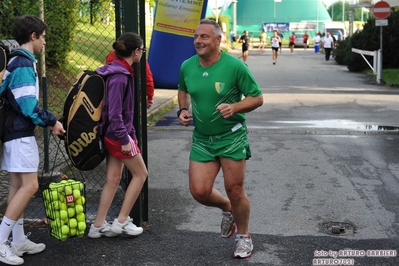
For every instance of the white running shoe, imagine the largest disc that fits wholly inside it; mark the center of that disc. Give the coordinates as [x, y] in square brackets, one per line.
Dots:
[8, 256]
[28, 247]
[104, 230]
[244, 247]
[128, 227]
[228, 226]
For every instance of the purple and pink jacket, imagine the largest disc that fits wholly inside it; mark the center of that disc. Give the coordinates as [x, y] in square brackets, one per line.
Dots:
[118, 106]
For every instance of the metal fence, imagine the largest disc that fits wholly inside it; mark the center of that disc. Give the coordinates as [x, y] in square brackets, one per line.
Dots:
[92, 43]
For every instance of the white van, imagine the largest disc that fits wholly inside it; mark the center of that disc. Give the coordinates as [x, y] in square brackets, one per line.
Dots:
[333, 28]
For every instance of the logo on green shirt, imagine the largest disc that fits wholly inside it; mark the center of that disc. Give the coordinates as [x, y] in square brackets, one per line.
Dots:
[219, 86]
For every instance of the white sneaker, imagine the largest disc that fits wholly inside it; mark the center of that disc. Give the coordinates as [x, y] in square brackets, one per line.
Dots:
[28, 247]
[244, 247]
[7, 255]
[128, 227]
[104, 230]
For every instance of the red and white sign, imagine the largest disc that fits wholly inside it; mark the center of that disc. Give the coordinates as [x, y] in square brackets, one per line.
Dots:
[381, 10]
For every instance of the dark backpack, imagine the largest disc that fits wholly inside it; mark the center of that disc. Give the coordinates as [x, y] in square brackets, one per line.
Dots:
[4, 54]
[4, 120]
[82, 115]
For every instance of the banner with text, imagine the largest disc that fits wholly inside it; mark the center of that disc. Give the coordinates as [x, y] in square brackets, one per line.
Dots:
[178, 17]
[280, 26]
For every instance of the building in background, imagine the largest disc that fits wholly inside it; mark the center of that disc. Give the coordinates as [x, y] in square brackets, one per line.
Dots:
[285, 15]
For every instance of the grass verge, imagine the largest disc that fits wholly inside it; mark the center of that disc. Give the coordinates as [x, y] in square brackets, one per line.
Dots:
[390, 77]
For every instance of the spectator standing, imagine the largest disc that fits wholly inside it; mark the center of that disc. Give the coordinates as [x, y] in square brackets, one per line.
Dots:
[305, 40]
[245, 40]
[328, 45]
[339, 35]
[334, 46]
[316, 43]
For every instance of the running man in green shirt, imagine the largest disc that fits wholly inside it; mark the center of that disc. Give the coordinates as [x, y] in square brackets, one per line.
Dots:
[214, 83]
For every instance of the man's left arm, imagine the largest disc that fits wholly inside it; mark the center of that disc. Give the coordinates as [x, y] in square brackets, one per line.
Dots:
[246, 105]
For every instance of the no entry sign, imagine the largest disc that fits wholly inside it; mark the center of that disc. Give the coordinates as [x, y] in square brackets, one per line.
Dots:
[381, 10]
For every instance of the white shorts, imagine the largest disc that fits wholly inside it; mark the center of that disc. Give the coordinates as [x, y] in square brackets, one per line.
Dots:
[20, 155]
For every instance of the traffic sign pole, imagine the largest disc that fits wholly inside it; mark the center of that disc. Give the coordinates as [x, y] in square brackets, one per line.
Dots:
[381, 10]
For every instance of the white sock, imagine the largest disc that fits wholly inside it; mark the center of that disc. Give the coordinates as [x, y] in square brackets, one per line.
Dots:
[18, 233]
[242, 235]
[5, 229]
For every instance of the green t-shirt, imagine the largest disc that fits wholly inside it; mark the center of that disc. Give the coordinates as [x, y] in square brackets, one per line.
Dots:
[226, 81]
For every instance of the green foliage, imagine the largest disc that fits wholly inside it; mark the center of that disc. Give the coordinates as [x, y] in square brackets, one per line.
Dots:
[12, 9]
[335, 12]
[369, 39]
[95, 11]
[343, 53]
[62, 17]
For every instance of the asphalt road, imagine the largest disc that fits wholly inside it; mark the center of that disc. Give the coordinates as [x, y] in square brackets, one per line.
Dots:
[325, 148]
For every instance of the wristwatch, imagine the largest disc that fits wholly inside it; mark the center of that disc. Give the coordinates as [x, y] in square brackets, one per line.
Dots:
[179, 112]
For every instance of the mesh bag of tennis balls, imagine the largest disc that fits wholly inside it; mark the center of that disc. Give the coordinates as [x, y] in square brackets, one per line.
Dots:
[64, 203]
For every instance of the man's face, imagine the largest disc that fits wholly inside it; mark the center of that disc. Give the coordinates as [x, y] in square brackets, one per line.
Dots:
[205, 40]
[38, 42]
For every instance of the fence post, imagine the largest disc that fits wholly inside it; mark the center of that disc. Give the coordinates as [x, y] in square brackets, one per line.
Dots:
[375, 60]
[131, 23]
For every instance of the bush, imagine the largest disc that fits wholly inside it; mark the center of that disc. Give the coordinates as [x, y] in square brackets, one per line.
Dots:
[343, 52]
[369, 39]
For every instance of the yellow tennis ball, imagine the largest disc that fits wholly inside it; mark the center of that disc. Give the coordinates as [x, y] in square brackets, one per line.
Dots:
[54, 195]
[80, 201]
[46, 194]
[73, 231]
[73, 223]
[65, 229]
[64, 237]
[63, 206]
[81, 226]
[56, 223]
[71, 212]
[55, 205]
[81, 233]
[68, 190]
[76, 194]
[79, 209]
[81, 217]
[77, 185]
[63, 214]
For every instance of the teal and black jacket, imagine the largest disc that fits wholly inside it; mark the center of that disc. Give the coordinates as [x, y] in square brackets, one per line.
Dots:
[21, 92]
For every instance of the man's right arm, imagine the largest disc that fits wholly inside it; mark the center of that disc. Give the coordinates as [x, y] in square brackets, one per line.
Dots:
[184, 104]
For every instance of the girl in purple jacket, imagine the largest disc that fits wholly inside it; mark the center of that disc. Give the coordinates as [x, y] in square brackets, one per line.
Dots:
[120, 138]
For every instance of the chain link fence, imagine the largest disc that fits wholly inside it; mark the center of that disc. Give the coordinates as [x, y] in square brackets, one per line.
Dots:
[92, 41]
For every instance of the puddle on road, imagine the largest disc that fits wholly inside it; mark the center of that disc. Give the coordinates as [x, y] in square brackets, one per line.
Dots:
[334, 124]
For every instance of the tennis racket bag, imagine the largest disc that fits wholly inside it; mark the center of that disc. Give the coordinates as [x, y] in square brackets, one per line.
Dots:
[82, 114]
